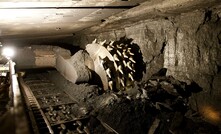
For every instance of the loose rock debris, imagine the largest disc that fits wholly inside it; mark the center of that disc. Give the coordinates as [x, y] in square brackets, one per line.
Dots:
[158, 105]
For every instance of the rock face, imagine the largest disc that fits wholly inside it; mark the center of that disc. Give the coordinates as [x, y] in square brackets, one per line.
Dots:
[188, 45]
[194, 54]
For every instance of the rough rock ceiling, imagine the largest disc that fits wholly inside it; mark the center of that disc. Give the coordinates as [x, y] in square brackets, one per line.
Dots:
[153, 9]
[37, 18]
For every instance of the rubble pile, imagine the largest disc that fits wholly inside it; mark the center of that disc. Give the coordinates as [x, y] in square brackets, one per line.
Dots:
[159, 105]
[170, 98]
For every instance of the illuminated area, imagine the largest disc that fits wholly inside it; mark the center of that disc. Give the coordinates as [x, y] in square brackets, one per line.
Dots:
[211, 114]
[8, 52]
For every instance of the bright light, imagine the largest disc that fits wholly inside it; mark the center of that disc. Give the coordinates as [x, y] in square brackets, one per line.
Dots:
[8, 52]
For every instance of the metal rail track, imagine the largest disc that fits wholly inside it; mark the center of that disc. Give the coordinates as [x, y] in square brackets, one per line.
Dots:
[50, 109]
[39, 121]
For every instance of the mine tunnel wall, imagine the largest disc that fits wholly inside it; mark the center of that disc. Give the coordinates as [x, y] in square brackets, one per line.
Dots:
[188, 45]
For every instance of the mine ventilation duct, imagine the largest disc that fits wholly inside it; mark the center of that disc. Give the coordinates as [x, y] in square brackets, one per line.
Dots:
[118, 63]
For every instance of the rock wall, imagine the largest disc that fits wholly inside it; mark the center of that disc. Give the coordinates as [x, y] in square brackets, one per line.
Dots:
[193, 52]
[189, 45]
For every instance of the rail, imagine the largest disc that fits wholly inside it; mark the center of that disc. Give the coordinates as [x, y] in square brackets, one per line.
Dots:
[35, 112]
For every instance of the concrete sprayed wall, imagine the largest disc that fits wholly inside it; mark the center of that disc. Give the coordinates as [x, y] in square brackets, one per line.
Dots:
[188, 45]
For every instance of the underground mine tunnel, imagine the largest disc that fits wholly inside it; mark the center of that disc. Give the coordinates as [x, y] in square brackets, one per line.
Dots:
[113, 66]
